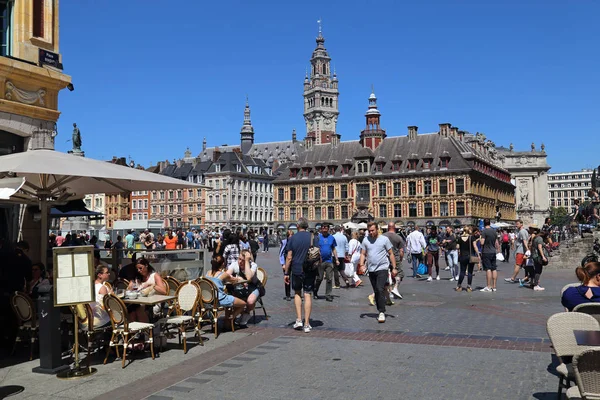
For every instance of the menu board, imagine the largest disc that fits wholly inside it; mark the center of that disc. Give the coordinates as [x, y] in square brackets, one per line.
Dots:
[74, 275]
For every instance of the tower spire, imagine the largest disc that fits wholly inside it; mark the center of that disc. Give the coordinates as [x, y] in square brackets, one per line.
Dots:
[319, 22]
[247, 132]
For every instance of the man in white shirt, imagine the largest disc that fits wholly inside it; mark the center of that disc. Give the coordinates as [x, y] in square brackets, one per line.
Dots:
[415, 244]
[341, 249]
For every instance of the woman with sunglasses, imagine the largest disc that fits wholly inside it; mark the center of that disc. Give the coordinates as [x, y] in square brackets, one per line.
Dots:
[245, 269]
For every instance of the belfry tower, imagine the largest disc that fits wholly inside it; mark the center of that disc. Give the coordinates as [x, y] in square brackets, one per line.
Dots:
[320, 97]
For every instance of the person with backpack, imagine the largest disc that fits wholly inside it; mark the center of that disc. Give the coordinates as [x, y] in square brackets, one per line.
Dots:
[505, 240]
[302, 275]
[398, 245]
[539, 254]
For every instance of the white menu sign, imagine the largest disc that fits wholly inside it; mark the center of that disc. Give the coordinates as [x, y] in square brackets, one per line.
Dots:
[74, 272]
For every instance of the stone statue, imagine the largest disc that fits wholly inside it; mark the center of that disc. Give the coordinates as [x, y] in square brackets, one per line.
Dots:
[532, 146]
[76, 139]
[543, 147]
[511, 147]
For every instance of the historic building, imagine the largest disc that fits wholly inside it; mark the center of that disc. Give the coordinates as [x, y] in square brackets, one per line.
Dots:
[529, 172]
[140, 208]
[117, 206]
[448, 177]
[30, 78]
[566, 187]
[96, 203]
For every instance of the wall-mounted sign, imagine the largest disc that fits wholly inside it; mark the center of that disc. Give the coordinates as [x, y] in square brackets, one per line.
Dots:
[49, 58]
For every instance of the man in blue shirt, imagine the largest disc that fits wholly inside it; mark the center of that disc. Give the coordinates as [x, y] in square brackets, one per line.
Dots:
[327, 244]
[129, 240]
[341, 249]
[301, 280]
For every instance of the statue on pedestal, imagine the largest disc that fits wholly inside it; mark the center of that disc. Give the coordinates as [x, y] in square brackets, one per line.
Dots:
[76, 139]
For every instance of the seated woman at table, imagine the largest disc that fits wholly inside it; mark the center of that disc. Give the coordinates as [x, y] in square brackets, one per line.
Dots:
[220, 277]
[588, 291]
[38, 279]
[101, 317]
[147, 281]
[245, 268]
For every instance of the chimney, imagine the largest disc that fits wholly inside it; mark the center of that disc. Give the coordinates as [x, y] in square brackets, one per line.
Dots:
[216, 154]
[454, 132]
[412, 132]
[294, 135]
[444, 129]
[461, 135]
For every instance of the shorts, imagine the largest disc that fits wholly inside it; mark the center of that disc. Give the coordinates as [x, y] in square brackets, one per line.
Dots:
[304, 282]
[256, 293]
[488, 260]
[520, 259]
[227, 300]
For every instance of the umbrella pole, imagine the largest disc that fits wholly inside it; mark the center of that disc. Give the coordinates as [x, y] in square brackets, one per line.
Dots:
[44, 230]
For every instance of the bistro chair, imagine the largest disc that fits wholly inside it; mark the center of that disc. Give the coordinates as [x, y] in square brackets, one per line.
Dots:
[85, 319]
[24, 309]
[569, 285]
[172, 285]
[108, 286]
[121, 284]
[261, 275]
[560, 329]
[123, 331]
[186, 302]
[210, 310]
[592, 309]
[587, 375]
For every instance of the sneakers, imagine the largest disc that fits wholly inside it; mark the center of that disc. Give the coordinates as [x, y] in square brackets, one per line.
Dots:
[538, 288]
[244, 319]
[389, 302]
[336, 287]
[485, 289]
[452, 279]
[429, 279]
[437, 278]
[381, 318]
[469, 290]
[307, 328]
[458, 289]
[447, 269]
[493, 289]
[372, 299]
[396, 293]
[509, 280]
[298, 324]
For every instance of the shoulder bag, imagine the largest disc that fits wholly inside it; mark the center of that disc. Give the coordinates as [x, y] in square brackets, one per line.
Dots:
[472, 259]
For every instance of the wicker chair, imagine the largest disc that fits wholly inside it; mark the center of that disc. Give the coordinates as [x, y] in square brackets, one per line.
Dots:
[121, 284]
[592, 309]
[188, 296]
[24, 309]
[123, 329]
[210, 309]
[560, 329]
[587, 375]
[172, 284]
[569, 285]
[261, 274]
[85, 319]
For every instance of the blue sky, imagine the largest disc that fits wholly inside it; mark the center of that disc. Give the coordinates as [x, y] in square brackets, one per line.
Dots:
[151, 80]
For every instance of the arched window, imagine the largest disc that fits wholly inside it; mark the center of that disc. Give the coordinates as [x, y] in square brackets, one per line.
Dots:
[324, 69]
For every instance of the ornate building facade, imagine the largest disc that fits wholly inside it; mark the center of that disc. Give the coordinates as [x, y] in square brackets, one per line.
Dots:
[444, 178]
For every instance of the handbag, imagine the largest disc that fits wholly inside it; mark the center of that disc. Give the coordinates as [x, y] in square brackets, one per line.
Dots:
[472, 259]
[422, 269]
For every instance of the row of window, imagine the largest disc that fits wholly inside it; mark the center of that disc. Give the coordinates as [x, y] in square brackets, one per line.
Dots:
[363, 190]
[139, 216]
[254, 201]
[261, 187]
[364, 167]
[178, 207]
[143, 204]
[175, 194]
[394, 211]
[568, 193]
[562, 202]
[569, 177]
[574, 184]
[239, 215]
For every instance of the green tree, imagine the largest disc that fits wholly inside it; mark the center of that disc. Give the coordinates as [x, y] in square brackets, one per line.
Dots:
[559, 215]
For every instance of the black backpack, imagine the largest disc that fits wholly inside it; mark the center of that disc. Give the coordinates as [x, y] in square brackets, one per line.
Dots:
[313, 257]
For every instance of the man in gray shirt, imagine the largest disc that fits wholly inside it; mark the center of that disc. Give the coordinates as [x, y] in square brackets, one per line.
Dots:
[521, 248]
[488, 256]
[377, 250]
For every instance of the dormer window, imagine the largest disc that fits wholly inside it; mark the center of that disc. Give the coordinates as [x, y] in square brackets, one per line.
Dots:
[238, 168]
[396, 165]
[345, 169]
[412, 164]
[217, 167]
[427, 162]
[362, 167]
[331, 170]
[320, 171]
[293, 172]
[444, 162]
[379, 166]
[305, 172]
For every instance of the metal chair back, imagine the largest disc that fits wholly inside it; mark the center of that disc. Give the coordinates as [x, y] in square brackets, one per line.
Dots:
[560, 329]
[23, 307]
[587, 373]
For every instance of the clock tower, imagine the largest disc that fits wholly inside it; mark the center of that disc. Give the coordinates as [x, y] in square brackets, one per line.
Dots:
[320, 97]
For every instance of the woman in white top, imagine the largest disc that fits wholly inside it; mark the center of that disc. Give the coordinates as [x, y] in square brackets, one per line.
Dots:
[354, 254]
[148, 280]
[244, 267]
[101, 317]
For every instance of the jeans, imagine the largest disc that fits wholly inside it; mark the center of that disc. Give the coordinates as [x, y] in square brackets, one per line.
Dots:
[536, 272]
[266, 244]
[416, 258]
[452, 259]
[464, 264]
[506, 251]
[378, 280]
[325, 271]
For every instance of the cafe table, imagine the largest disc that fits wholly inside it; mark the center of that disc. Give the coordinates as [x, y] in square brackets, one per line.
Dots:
[148, 300]
[587, 338]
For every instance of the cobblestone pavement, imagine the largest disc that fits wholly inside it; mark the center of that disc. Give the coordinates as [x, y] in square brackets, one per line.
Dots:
[436, 343]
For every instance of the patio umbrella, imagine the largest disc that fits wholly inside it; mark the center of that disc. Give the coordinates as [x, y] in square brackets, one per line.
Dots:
[55, 177]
